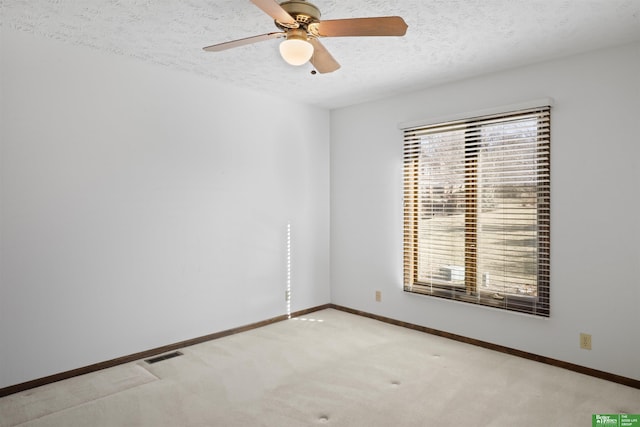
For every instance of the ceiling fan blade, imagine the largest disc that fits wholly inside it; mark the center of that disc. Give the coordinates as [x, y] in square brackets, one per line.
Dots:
[380, 26]
[322, 59]
[274, 10]
[241, 42]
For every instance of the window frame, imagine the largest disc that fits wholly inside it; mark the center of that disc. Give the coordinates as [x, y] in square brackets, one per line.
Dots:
[538, 305]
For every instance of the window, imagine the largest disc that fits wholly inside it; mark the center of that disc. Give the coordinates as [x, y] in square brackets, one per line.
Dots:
[477, 210]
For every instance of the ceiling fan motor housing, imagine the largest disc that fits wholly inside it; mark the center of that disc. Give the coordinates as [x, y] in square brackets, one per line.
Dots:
[303, 12]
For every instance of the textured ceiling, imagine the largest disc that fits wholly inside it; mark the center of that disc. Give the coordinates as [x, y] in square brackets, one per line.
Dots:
[447, 39]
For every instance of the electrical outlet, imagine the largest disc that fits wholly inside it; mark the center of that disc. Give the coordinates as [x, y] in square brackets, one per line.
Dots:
[378, 296]
[585, 341]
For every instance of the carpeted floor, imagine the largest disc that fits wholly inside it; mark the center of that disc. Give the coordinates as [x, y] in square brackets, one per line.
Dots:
[328, 368]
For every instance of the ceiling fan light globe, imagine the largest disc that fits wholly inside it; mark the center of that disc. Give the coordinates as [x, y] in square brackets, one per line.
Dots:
[296, 51]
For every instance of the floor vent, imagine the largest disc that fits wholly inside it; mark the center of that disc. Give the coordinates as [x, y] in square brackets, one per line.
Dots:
[163, 357]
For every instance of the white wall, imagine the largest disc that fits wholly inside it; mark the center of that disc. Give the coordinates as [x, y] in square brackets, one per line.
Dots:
[142, 206]
[595, 252]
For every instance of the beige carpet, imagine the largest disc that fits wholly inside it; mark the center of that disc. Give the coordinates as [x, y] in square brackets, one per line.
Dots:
[329, 368]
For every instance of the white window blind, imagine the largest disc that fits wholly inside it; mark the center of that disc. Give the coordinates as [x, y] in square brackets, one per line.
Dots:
[477, 210]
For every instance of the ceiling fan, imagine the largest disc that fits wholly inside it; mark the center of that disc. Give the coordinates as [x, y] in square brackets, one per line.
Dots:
[301, 27]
